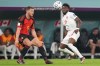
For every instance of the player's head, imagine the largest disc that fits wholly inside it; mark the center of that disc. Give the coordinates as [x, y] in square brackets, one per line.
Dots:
[30, 11]
[65, 8]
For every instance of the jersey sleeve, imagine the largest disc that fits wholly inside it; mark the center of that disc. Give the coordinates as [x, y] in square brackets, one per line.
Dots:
[73, 16]
[20, 21]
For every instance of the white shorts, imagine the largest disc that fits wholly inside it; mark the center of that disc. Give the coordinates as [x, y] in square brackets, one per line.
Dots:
[70, 34]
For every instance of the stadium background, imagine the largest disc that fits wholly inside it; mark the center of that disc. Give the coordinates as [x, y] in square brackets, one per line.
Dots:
[46, 16]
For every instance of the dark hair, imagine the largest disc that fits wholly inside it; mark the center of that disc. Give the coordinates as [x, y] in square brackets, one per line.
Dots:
[83, 30]
[65, 4]
[95, 29]
[29, 7]
[37, 29]
[10, 30]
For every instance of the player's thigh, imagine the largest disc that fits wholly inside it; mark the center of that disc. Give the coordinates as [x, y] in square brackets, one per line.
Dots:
[74, 37]
[65, 40]
[27, 42]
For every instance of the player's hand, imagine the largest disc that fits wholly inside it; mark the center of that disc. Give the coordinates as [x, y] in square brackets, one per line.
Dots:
[40, 42]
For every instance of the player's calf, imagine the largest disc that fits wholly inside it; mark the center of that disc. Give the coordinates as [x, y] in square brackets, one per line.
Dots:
[43, 53]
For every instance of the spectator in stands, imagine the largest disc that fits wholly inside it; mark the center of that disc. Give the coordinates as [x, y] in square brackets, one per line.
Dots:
[81, 43]
[7, 44]
[55, 44]
[39, 34]
[94, 41]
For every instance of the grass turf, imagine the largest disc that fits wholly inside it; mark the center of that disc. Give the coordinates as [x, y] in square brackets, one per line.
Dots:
[56, 62]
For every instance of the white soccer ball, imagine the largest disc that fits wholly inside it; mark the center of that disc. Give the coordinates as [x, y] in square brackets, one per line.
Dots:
[57, 5]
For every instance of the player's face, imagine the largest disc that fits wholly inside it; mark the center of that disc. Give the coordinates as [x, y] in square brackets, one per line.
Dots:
[95, 32]
[65, 9]
[30, 12]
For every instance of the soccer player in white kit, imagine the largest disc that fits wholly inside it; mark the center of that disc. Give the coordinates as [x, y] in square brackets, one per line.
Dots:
[72, 24]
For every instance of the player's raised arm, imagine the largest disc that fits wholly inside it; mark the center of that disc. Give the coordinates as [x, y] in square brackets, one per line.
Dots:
[19, 26]
[79, 21]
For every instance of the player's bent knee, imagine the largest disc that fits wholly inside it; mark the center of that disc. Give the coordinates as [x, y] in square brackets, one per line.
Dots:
[40, 45]
[29, 45]
[62, 46]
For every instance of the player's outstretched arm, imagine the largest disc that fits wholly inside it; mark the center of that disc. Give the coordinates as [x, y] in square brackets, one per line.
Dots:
[79, 22]
[34, 33]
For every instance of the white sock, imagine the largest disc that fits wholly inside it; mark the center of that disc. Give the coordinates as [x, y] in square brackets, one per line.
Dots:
[75, 50]
[66, 51]
[92, 56]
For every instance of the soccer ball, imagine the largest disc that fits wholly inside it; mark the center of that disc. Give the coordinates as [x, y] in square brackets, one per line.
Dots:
[57, 5]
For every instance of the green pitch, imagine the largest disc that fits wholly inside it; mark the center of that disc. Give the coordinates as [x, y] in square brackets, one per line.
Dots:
[56, 62]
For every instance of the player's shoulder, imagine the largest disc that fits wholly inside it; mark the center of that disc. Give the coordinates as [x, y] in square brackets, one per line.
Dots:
[70, 13]
[21, 18]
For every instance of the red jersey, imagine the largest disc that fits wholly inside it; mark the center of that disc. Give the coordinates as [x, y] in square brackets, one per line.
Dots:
[25, 24]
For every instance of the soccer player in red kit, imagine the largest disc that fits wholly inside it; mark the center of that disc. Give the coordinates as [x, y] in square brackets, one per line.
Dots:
[25, 26]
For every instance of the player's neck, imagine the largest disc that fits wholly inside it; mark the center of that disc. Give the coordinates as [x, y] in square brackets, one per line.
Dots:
[27, 16]
[65, 13]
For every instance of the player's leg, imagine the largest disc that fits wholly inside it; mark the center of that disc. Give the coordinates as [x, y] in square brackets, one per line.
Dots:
[71, 43]
[73, 48]
[41, 50]
[63, 48]
[63, 44]
[18, 52]
[27, 43]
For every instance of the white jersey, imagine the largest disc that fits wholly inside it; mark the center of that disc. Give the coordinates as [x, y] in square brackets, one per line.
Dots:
[69, 21]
